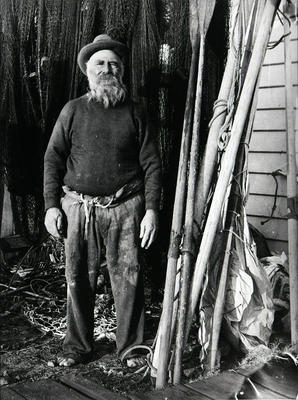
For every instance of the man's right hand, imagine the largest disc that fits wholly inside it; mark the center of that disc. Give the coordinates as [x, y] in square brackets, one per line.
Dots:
[53, 222]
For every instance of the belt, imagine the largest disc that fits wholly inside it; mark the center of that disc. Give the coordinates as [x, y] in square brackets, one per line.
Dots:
[112, 200]
[122, 194]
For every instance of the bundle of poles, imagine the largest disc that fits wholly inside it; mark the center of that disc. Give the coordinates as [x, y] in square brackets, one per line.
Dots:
[198, 182]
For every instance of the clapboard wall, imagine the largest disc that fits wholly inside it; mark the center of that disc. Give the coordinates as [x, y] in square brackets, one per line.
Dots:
[268, 146]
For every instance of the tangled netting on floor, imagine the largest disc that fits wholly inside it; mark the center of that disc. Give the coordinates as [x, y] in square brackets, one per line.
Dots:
[39, 42]
[36, 283]
[53, 319]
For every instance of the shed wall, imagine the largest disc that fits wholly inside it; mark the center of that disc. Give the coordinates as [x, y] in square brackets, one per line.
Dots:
[268, 146]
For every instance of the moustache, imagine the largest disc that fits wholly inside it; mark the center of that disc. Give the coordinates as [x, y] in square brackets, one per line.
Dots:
[106, 78]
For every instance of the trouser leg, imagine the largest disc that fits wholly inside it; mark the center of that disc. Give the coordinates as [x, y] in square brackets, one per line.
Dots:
[82, 263]
[122, 253]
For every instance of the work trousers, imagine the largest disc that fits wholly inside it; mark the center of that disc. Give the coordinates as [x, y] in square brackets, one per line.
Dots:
[88, 229]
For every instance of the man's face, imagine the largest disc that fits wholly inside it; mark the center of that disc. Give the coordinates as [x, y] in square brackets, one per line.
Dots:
[103, 66]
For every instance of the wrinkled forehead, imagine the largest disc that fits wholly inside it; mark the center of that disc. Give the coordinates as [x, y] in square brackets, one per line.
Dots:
[105, 55]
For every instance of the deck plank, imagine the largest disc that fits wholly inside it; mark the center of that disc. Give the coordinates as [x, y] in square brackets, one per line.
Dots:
[178, 392]
[46, 389]
[7, 393]
[226, 384]
[89, 388]
[280, 379]
[221, 386]
[252, 390]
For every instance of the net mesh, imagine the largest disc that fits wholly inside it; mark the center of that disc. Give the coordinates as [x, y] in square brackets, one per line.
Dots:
[52, 319]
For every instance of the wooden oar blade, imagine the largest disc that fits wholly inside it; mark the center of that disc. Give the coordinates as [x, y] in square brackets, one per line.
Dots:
[193, 22]
[205, 9]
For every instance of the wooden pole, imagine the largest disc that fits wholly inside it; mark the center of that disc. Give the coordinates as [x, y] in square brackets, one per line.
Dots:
[205, 9]
[210, 155]
[230, 154]
[220, 297]
[291, 189]
[1, 202]
[163, 343]
[157, 348]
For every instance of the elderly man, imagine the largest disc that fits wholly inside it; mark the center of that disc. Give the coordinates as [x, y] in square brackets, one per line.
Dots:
[101, 153]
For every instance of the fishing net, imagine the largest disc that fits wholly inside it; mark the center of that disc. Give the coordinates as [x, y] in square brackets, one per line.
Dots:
[52, 319]
[37, 283]
[40, 40]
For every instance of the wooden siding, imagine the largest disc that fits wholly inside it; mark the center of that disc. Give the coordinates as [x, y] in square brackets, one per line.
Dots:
[267, 162]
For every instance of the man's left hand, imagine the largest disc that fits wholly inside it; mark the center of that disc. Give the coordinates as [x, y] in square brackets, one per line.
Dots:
[149, 228]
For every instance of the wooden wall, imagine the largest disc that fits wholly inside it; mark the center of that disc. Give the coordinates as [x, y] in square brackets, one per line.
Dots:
[268, 147]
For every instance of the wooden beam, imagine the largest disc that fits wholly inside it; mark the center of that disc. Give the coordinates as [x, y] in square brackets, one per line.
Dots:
[177, 392]
[46, 389]
[7, 393]
[226, 384]
[89, 388]
[291, 186]
[280, 377]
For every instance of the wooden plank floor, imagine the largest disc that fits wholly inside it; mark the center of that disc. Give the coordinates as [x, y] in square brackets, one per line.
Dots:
[269, 383]
[224, 386]
[45, 389]
[227, 384]
[89, 388]
[282, 380]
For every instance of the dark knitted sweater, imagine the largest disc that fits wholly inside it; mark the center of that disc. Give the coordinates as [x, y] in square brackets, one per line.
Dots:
[96, 151]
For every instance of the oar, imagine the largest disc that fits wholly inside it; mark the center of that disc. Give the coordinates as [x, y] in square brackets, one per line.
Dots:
[291, 189]
[230, 154]
[204, 10]
[164, 338]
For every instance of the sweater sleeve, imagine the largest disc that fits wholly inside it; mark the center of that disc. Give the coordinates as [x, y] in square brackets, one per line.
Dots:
[149, 159]
[56, 158]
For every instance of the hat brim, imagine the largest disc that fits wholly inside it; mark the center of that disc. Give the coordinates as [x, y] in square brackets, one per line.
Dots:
[86, 52]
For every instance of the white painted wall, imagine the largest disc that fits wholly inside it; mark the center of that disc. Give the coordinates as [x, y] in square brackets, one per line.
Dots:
[268, 147]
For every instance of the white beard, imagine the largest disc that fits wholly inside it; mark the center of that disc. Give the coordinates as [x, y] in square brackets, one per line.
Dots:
[107, 89]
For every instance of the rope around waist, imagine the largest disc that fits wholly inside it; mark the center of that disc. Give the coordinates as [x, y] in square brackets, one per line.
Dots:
[124, 193]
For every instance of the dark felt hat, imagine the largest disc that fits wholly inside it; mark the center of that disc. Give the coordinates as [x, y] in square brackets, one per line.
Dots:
[101, 42]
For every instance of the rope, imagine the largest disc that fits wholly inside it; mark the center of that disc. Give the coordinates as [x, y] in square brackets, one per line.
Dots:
[224, 135]
[88, 205]
[149, 359]
[274, 174]
[218, 103]
[234, 212]
[277, 42]
[235, 234]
